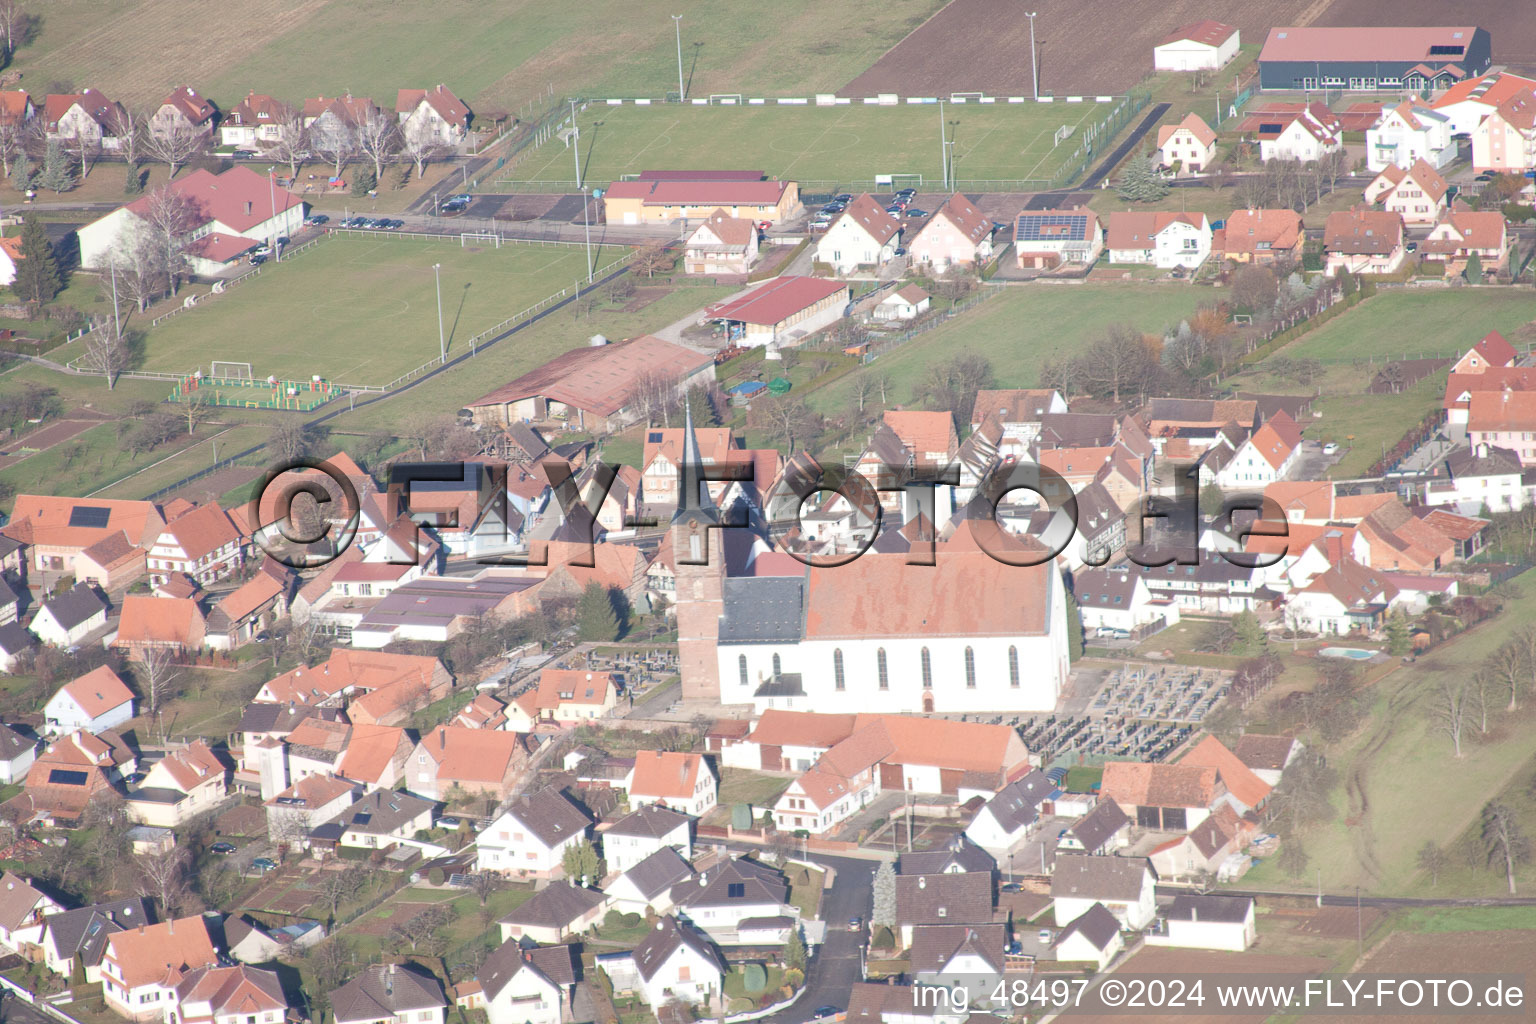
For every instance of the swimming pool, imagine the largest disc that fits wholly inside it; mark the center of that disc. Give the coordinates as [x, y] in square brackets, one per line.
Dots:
[1356, 653]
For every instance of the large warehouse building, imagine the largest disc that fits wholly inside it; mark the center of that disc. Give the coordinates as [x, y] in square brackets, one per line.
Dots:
[1368, 59]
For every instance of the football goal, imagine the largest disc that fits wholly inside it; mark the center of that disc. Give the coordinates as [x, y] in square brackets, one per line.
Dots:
[482, 237]
[1063, 134]
[725, 99]
[226, 370]
[901, 181]
[966, 97]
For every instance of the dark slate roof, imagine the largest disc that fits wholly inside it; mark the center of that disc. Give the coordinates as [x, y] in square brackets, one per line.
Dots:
[717, 887]
[1222, 909]
[1096, 510]
[962, 854]
[8, 595]
[659, 872]
[1095, 924]
[944, 899]
[381, 990]
[763, 609]
[14, 638]
[381, 812]
[1117, 879]
[935, 945]
[550, 815]
[555, 963]
[664, 939]
[1094, 828]
[8, 544]
[84, 930]
[651, 821]
[76, 605]
[528, 439]
[555, 906]
[1104, 588]
[1017, 804]
[1263, 752]
[1077, 430]
[263, 716]
[1481, 460]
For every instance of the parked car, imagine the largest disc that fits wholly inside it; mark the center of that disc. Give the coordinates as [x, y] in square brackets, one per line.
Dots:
[261, 865]
[764, 225]
[915, 212]
[262, 250]
[1413, 247]
[855, 923]
[460, 197]
[257, 259]
[314, 220]
[448, 822]
[900, 251]
[894, 210]
[845, 198]
[825, 1012]
[1331, 448]
[906, 192]
[222, 849]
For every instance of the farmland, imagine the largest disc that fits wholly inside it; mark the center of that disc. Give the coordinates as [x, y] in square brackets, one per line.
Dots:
[847, 143]
[492, 55]
[363, 310]
[1398, 323]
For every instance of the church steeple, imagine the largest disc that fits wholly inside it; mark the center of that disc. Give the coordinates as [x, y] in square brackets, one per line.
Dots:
[693, 501]
[699, 568]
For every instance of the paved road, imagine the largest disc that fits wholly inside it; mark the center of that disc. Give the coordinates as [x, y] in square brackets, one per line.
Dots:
[1386, 902]
[830, 976]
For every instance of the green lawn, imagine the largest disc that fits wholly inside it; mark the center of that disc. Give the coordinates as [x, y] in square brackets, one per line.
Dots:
[761, 790]
[806, 893]
[1467, 919]
[1374, 422]
[491, 55]
[1023, 328]
[1401, 323]
[363, 310]
[847, 143]
[1401, 764]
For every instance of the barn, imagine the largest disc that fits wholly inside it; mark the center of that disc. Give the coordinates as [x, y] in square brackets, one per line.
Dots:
[1202, 46]
[1370, 59]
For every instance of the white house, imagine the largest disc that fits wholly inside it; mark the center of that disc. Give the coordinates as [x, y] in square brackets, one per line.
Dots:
[389, 994]
[1010, 816]
[1119, 600]
[1047, 239]
[650, 884]
[432, 116]
[202, 542]
[1346, 597]
[675, 961]
[1478, 476]
[22, 910]
[1201, 46]
[526, 986]
[1306, 134]
[862, 235]
[1093, 937]
[903, 304]
[1268, 454]
[1197, 921]
[228, 995]
[135, 981]
[721, 245]
[96, 701]
[960, 956]
[1467, 103]
[531, 835]
[70, 617]
[641, 833]
[680, 781]
[1165, 240]
[1124, 885]
[234, 212]
[730, 892]
[1363, 242]
[1406, 133]
[17, 752]
[1189, 145]
[956, 234]
[182, 784]
[1417, 192]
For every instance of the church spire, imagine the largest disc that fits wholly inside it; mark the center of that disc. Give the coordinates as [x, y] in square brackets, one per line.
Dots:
[693, 490]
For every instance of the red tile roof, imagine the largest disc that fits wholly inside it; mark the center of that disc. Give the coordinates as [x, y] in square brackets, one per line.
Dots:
[257, 108]
[666, 775]
[202, 531]
[99, 691]
[1377, 43]
[700, 193]
[1246, 228]
[964, 215]
[161, 953]
[240, 199]
[1140, 784]
[870, 216]
[448, 106]
[1239, 779]
[191, 104]
[1212, 33]
[219, 247]
[1137, 229]
[777, 300]
[1194, 124]
[599, 380]
[1373, 232]
[1490, 89]
[160, 620]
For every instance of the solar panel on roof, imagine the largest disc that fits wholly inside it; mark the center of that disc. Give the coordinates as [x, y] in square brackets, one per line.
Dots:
[93, 516]
[67, 777]
[362, 818]
[1033, 227]
[654, 437]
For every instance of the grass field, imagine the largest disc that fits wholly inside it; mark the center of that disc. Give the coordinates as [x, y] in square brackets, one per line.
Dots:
[1401, 322]
[846, 143]
[362, 310]
[490, 54]
[1020, 330]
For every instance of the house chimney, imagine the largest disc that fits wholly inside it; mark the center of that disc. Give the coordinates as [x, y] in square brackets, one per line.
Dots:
[1333, 547]
[442, 738]
[247, 207]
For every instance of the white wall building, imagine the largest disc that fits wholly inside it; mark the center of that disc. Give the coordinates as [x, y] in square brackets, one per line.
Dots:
[1202, 46]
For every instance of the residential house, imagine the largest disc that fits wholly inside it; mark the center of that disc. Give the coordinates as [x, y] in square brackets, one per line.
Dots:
[95, 701]
[333, 122]
[228, 995]
[1479, 477]
[434, 115]
[1189, 146]
[958, 856]
[484, 712]
[1118, 601]
[1466, 103]
[1012, 815]
[676, 962]
[1124, 885]
[729, 893]
[1246, 792]
[884, 1003]
[304, 806]
[1460, 233]
[564, 696]
[172, 624]
[17, 753]
[111, 563]
[1212, 849]
[67, 619]
[956, 234]
[450, 759]
[642, 832]
[389, 994]
[1346, 598]
[250, 943]
[1262, 236]
[1297, 131]
[376, 755]
[1505, 140]
[1092, 937]
[184, 783]
[142, 966]
[1417, 193]
[16, 642]
[202, 543]
[906, 303]
[358, 674]
[245, 613]
[1407, 133]
[1051, 239]
[531, 836]
[23, 908]
[964, 898]
[1501, 419]
[1208, 921]
[1465, 532]
[556, 912]
[528, 986]
[1363, 242]
[721, 245]
[1267, 756]
[1164, 240]
[67, 775]
[649, 885]
[1200, 46]
[683, 782]
[1020, 411]
[184, 112]
[1171, 797]
[16, 107]
[380, 820]
[1269, 454]
[258, 121]
[56, 530]
[77, 939]
[1100, 832]
[863, 235]
[960, 957]
[85, 115]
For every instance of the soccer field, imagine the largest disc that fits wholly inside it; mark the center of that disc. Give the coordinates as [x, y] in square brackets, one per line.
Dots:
[999, 142]
[364, 310]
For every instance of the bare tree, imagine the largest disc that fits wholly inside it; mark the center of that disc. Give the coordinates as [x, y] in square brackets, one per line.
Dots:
[651, 259]
[336, 143]
[163, 878]
[1450, 710]
[292, 145]
[14, 24]
[290, 439]
[85, 147]
[176, 145]
[336, 887]
[157, 674]
[1433, 858]
[420, 145]
[656, 396]
[105, 351]
[170, 217]
[136, 266]
[378, 138]
[13, 139]
[1504, 840]
[131, 130]
[484, 885]
[863, 389]
[1509, 666]
[1252, 191]
[1333, 166]
[197, 404]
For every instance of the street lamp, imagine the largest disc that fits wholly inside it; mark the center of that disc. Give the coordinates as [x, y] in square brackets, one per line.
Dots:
[576, 143]
[272, 190]
[1034, 66]
[586, 224]
[677, 23]
[442, 341]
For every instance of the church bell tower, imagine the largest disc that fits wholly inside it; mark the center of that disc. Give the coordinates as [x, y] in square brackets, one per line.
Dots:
[699, 562]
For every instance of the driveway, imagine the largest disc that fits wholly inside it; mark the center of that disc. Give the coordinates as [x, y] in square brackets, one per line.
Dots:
[837, 965]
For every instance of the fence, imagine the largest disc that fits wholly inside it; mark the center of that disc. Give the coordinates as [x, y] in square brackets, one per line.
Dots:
[33, 1001]
[879, 344]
